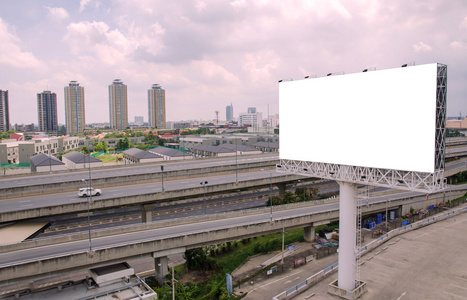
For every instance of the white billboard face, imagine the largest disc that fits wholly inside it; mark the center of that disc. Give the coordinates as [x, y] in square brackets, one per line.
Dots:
[380, 119]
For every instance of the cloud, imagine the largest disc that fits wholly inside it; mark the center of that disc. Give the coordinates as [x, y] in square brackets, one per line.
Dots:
[57, 14]
[464, 23]
[421, 47]
[209, 53]
[11, 53]
[83, 4]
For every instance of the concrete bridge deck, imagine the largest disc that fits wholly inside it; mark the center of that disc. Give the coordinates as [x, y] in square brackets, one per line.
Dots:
[39, 258]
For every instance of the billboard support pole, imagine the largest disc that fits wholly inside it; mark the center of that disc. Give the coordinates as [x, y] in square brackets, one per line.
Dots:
[347, 235]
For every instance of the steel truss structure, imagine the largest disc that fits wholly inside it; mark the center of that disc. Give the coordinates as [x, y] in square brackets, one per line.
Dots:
[405, 180]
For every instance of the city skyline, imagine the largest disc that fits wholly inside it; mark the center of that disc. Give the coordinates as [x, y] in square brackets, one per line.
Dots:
[207, 54]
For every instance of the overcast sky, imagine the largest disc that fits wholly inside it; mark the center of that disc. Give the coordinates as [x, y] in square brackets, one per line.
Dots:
[208, 54]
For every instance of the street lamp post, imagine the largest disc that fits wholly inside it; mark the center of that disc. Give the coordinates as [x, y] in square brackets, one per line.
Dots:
[236, 163]
[162, 170]
[270, 190]
[50, 157]
[89, 218]
[173, 284]
[203, 183]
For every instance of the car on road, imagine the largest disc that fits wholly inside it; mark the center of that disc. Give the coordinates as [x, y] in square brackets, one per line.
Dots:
[86, 192]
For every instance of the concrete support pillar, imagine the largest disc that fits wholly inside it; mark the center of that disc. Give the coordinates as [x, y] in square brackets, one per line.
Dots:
[146, 212]
[347, 236]
[282, 188]
[309, 234]
[161, 268]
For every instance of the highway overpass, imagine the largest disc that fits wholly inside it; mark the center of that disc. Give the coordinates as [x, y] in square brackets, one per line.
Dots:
[144, 195]
[148, 195]
[158, 239]
[39, 184]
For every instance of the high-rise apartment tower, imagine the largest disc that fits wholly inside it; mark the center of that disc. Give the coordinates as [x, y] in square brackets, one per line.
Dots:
[229, 113]
[4, 111]
[74, 108]
[118, 105]
[47, 112]
[156, 107]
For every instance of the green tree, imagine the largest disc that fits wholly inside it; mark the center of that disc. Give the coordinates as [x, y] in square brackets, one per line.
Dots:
[86, 150]
[150, 139]
[123, 144]
[142, 146]
[102, 146]
[196, 259]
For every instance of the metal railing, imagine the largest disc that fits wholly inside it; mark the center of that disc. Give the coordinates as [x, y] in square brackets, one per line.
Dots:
[370, 246]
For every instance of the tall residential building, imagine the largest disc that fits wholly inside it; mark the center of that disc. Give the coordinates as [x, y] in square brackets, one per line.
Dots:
[229, 113]
[4, 111]
[74, 108]
[252, 110]
[156, 107]
[118, 105]
[47, 112]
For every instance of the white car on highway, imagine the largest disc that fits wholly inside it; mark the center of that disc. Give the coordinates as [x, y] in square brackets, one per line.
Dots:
[86, 192]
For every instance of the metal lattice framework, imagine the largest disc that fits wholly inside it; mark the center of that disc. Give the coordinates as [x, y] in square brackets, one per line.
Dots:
[405, 180]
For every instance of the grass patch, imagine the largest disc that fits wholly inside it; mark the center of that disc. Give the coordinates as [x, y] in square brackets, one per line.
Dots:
[460, 198]
[106, 158]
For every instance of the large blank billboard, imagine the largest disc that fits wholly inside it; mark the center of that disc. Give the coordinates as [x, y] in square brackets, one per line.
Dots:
[379, 119]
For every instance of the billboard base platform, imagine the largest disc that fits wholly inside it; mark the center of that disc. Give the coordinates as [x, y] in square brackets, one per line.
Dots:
[361, 289]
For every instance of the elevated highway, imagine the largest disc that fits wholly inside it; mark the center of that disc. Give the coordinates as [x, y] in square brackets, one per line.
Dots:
[159, 239]
[37, 184]
[147, 196]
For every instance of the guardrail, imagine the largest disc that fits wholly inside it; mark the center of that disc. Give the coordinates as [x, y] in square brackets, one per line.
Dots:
[312, 280]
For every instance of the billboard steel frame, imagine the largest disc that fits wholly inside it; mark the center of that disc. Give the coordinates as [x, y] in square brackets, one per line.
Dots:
[349, 176]
[398, 179]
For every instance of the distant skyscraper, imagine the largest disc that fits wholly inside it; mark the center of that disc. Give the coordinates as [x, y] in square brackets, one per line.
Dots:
[74, 108]
[47, 112]
[4, 111]
[118, 105]
[229, 113]
[139, 119]
[252, 110]
[251, 119]
[156, 107]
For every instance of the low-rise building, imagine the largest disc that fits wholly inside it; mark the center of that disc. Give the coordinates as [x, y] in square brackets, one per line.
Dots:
[241, 149]
[22, 151]
[138, 156]
[267, 147]
[46, 163]
[171, 154]
[77, 160]
[212, 151]
[453, 124]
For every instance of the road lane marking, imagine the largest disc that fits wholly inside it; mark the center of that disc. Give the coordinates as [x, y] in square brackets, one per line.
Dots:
[400, 297]
[441, 228]
[461, 287]
[460, 297]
